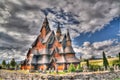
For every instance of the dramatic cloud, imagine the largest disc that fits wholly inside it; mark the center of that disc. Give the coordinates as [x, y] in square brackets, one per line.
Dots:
[111, 48]
[21, 20]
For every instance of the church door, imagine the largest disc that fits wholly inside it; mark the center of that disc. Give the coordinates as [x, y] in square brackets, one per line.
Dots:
[53, 64]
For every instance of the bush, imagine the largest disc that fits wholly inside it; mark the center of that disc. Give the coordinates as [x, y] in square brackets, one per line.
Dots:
[94, 67]
[71, 68]
[112, 69]
[0, 67]
[65, 71]
[116, 62]
[79, 68]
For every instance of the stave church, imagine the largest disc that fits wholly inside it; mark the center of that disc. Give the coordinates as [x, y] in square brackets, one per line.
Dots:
[50, 50]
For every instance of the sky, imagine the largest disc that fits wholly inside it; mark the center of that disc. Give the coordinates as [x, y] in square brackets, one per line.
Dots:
[94, 25]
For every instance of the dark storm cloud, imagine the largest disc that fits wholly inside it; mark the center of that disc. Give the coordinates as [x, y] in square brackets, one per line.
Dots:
[16, 24]
[10, 42]
[6, 37]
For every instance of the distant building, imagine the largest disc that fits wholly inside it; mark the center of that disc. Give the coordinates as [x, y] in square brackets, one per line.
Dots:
[50, 50]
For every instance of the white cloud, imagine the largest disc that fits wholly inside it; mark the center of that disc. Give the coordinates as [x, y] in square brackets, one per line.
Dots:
[8, 54]
[95, 49]
[98, 45]
[86, 44]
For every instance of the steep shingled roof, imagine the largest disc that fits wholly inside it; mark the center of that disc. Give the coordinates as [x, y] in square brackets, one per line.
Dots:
[43, 59]
[48, 36]
[68, 36]
[69, 49]
[61, 59]
[58, 28]
[46, 25]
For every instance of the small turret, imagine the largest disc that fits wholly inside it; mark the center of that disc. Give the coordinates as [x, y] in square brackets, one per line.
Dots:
[58, 32]
[68, 39]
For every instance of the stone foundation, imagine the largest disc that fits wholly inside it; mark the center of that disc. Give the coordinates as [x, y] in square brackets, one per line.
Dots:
[6, 75]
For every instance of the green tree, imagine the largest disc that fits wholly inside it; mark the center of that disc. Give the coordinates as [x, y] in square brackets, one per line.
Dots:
[71, 68]
[8, 65]
[87, 63]
[105, 61]
[119, 56]
[13, 63]
[4, 64]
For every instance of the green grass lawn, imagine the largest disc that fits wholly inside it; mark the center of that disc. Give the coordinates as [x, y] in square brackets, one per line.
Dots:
[117, 79]
[27, 72]
[59, 72]
[100, 62]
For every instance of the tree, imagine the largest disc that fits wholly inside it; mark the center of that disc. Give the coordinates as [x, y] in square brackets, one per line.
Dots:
[105, 61]
[4, 64]
[8, 65]
[87, 63]
[119, 56]
[71, 68]
[13, 63]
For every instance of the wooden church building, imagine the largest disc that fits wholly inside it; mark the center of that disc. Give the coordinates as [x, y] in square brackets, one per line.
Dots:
[50, 50]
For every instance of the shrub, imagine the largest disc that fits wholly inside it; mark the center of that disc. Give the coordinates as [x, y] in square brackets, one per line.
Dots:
[94, 67]
[116, 62]
[0, 67]
[111, 69]
[71, 68]
[79, 68]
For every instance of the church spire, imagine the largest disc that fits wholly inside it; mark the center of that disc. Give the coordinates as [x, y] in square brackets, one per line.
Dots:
[45, 29]
[58, 28]
[45, 20]
[58, 32]
[45, 24]
[68, 36]
[68, 39]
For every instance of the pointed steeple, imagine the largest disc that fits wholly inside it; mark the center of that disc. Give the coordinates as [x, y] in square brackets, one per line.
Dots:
[45, 24]
[45, 29]
[58, 28]
[68, 36]
[58, 32]
[45, 20]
